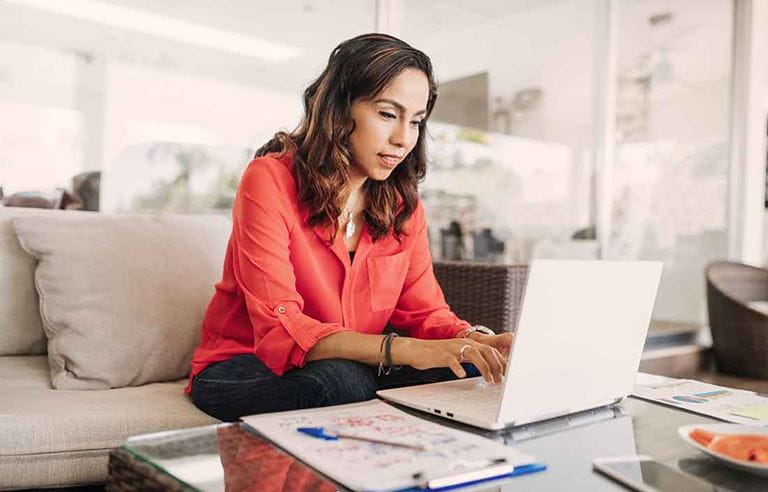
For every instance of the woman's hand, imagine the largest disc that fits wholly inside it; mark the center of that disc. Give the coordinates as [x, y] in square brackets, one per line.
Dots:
[426, 354]
[501, 342]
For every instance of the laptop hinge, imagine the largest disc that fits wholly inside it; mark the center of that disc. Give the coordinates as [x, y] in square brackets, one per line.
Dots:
[563, 413]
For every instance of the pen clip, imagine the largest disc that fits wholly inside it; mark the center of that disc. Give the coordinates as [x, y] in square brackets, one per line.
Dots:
[464, 472]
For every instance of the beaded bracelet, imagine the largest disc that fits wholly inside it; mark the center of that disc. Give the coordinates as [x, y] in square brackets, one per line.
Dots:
[385, 355]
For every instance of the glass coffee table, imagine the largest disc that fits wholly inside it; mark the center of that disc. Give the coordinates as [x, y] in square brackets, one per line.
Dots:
[228, 457]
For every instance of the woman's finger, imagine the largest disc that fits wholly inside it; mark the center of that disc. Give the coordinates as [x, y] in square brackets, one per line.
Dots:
[503, 343]
[508, 339]
[457, 369]
[503, 361]
[472, 354]
[490, 355]
[501, 358]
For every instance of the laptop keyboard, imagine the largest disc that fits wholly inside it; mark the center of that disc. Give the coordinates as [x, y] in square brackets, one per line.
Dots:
[465, 396]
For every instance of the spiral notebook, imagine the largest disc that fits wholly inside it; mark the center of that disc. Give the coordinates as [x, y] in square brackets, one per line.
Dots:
[361, 465]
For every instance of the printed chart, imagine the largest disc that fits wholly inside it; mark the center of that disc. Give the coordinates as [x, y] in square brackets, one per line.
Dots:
[731, 405]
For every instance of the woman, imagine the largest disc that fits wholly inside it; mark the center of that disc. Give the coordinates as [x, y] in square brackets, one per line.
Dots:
[329, 245]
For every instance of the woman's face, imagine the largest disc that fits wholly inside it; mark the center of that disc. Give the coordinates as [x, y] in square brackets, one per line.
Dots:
[387, 127]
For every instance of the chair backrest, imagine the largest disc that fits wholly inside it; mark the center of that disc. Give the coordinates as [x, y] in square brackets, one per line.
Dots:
[483, 293]
[739, 332]
[742, 283]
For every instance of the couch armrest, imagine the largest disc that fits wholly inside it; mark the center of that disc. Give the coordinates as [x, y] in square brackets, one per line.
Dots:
[483, 293]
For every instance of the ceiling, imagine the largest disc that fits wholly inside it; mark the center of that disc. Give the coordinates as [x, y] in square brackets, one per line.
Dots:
[312, 26]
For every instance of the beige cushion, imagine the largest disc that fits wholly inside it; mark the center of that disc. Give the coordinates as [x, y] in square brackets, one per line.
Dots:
[46, 434]
[69, 469]
[122, 297]
[21, 331]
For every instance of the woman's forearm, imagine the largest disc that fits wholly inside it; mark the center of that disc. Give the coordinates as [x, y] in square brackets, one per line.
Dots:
[420, 354]
[360, 347]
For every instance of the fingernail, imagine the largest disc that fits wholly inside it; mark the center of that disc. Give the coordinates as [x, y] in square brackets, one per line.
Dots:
[462, 374]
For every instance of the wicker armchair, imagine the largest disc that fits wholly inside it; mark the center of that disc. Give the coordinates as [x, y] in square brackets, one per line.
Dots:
[739, 332]
[483, 293]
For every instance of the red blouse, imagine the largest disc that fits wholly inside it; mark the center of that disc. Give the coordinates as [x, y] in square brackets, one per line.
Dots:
[284, 287]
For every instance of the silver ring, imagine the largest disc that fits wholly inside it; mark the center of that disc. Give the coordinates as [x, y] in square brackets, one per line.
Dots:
[461, 351]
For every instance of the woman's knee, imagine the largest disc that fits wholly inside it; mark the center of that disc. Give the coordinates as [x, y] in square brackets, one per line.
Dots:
[317, 384]
[336, 381]
[230, 389]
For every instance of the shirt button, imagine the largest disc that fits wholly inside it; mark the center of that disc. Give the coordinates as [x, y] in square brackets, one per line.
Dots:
[281, 309]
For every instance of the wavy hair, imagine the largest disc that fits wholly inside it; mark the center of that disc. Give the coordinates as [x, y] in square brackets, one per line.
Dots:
[358, 69]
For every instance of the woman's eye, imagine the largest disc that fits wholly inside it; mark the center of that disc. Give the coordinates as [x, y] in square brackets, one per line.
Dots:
[417, 124]
[387, 115]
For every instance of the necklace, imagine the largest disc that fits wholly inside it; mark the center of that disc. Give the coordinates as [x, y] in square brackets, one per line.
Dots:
[350, 228]
[349, 231]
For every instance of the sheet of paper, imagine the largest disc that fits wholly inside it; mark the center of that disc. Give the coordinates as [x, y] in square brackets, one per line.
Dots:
[369, 466]
[729, 404]
[757, 412]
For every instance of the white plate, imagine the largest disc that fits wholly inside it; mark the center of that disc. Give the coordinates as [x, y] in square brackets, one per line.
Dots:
[746, 466]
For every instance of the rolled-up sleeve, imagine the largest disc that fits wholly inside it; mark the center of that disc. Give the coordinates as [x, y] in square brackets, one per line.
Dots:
[421, 308]
[262, 225]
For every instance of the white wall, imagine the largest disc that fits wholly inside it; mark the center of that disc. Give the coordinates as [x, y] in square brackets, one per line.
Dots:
[176, 106]
[41, 130]
[549, 47]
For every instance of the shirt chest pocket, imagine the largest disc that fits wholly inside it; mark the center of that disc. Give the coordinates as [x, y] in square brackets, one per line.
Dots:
[386, 276]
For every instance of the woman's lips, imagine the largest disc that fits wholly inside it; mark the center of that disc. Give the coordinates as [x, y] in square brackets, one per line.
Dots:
[388, 160]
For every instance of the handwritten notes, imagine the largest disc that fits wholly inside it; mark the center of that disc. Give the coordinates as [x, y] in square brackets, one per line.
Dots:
[370, 466]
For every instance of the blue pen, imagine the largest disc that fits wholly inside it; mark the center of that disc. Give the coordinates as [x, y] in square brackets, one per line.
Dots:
[320, 433]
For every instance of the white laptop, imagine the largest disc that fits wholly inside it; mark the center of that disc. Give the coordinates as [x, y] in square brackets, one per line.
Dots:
[577, 346]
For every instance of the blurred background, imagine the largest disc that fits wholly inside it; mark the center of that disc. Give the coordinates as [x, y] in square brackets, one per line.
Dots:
[621, 129]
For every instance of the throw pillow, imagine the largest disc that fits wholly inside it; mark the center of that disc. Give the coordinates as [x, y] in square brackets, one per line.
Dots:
[21, 332]
[122, 297]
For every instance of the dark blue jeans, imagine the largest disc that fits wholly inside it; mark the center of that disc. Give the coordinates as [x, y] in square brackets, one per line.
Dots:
[243, 385]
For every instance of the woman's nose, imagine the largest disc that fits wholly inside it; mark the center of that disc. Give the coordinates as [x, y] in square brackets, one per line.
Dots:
[399, 136]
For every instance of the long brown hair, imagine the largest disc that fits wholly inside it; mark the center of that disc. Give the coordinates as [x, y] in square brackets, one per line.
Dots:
[359, 68]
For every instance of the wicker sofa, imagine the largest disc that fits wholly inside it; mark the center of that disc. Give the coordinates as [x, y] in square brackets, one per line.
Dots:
[62, 437]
